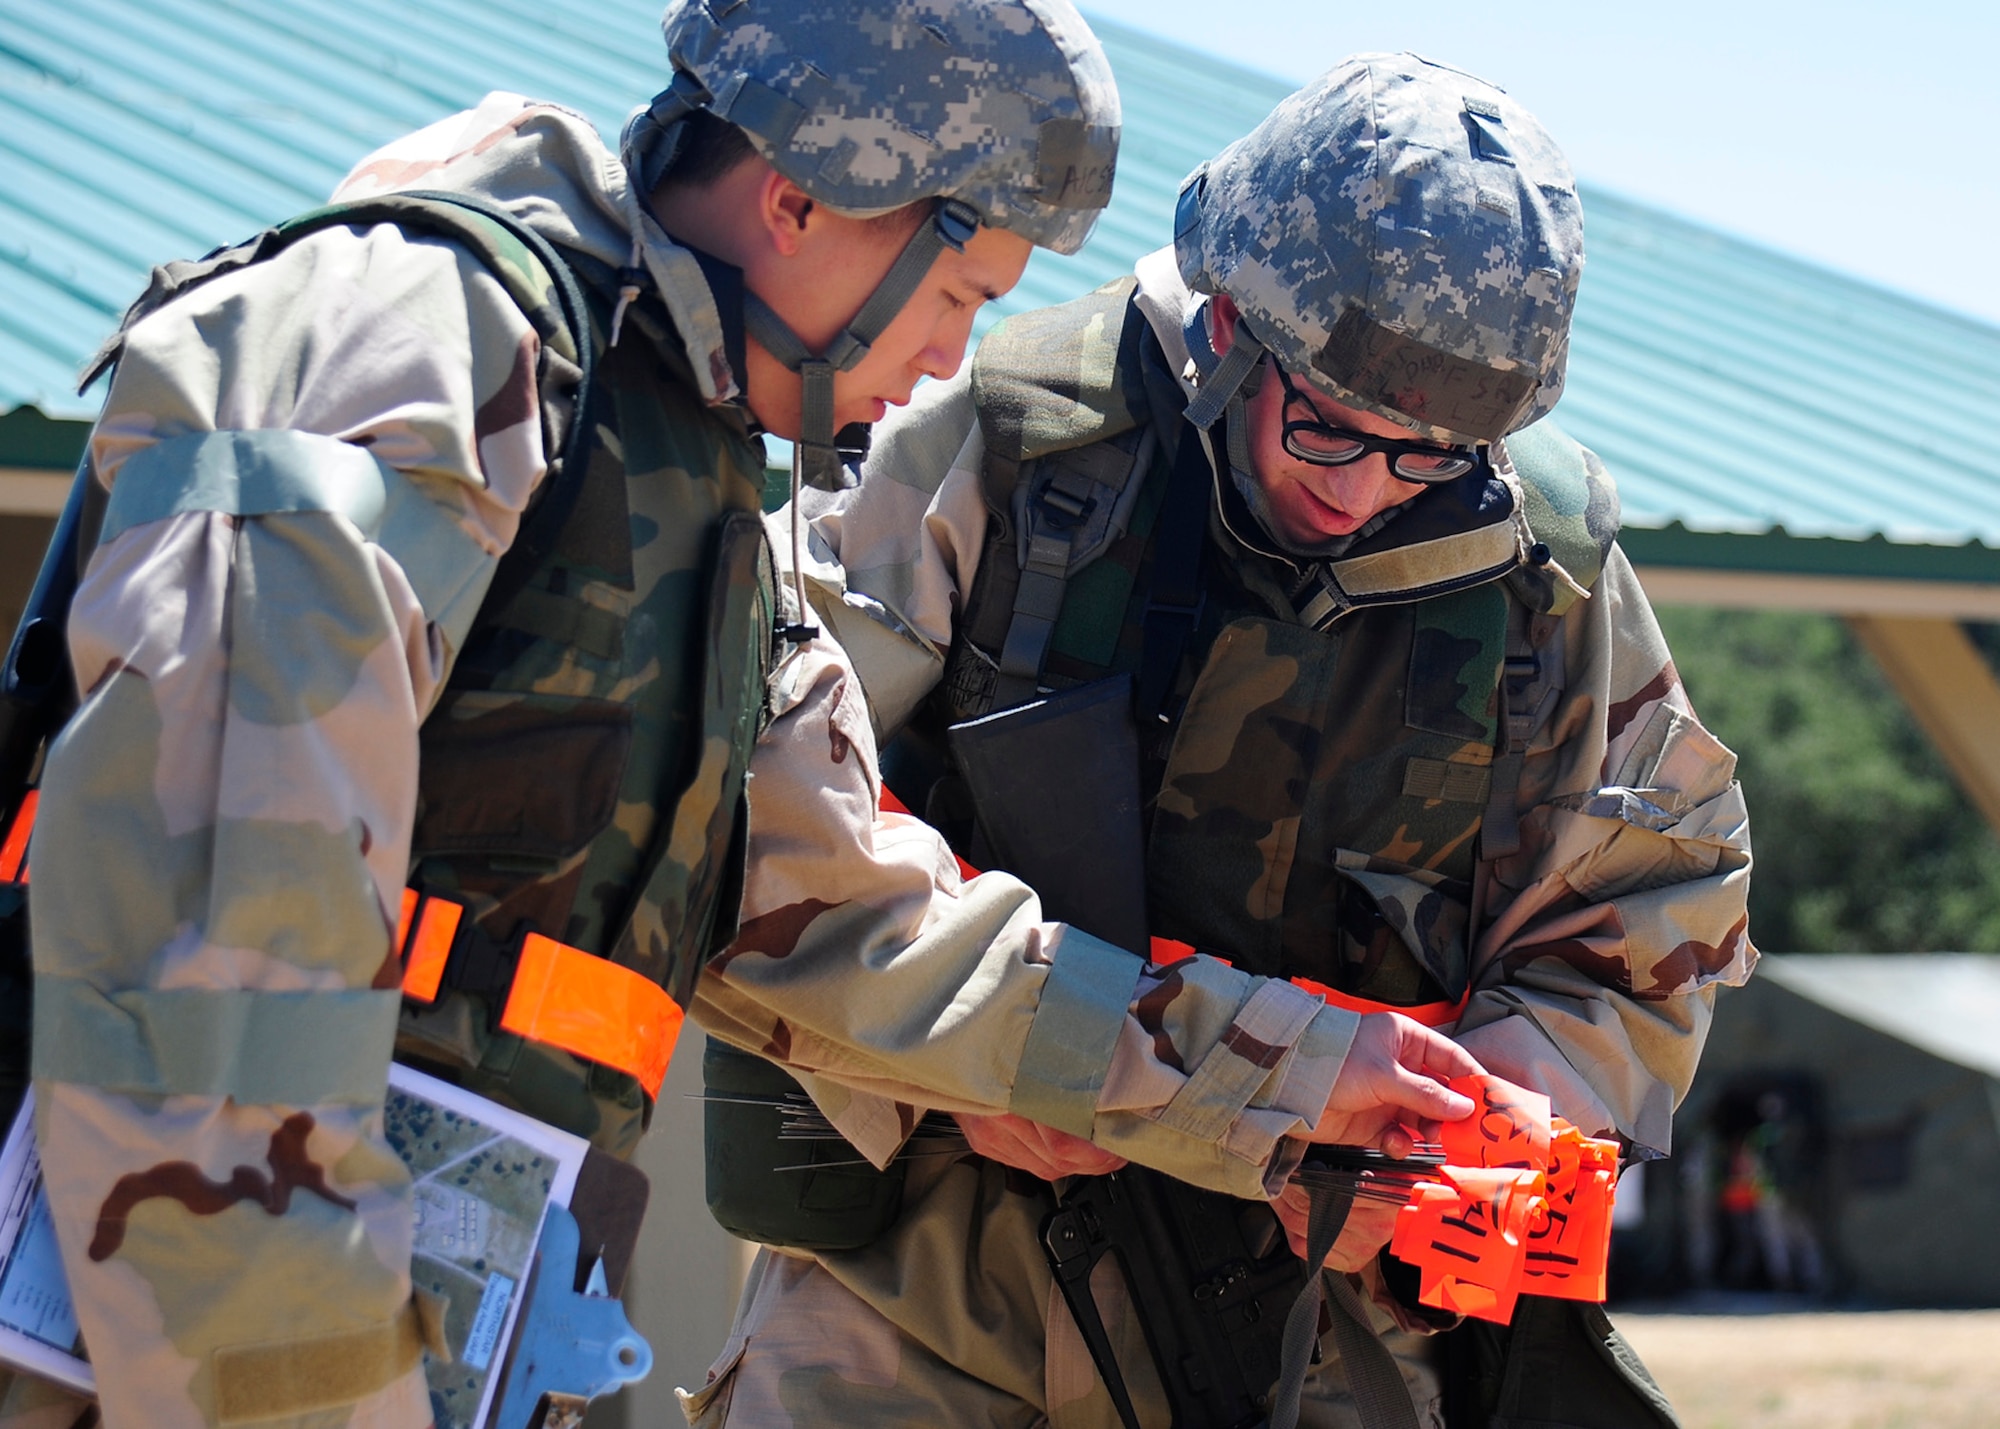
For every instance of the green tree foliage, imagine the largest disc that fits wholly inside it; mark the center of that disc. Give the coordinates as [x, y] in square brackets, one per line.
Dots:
[1864, 843]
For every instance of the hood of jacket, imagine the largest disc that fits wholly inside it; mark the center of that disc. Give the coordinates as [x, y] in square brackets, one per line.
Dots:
[549, 167]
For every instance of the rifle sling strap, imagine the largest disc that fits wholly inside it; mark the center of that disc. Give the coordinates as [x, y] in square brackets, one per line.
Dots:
[1174, 602]
[1380, 1396]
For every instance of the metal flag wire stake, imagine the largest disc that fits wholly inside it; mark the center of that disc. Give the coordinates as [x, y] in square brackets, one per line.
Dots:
[803, 1121]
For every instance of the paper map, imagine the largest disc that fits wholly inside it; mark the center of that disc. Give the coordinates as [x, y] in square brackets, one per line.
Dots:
[482, 1177]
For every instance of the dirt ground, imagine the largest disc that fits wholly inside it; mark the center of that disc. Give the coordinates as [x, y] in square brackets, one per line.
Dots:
[1915, 1369]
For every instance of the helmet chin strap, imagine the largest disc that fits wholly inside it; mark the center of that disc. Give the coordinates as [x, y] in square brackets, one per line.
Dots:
[1221, 377]
[1221, 391]
[821, 452]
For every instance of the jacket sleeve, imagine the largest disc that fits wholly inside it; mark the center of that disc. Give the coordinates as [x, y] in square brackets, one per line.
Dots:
[313, 465]
[887, 980]
[1604, 938]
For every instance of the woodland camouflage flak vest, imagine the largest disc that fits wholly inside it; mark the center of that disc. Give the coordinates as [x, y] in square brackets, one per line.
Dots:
[581, 814]
[582, 775]
[1316, 794]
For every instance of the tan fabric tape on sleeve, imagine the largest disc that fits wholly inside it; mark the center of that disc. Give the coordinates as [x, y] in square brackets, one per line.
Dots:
[290, 1377]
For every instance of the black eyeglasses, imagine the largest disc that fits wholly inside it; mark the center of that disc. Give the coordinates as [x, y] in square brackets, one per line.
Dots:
[1318, 441]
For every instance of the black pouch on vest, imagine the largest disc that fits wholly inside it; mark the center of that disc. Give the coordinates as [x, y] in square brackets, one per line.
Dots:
[1055, 784]
[1560, 1364]
[821, 1207]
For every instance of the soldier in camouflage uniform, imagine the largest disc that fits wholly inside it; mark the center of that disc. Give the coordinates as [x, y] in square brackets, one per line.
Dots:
[308, 470]
[1420, 743]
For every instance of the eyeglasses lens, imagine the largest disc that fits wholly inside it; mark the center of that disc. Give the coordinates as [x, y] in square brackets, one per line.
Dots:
[1309, 437]
[1417, 466]
[1316, 443]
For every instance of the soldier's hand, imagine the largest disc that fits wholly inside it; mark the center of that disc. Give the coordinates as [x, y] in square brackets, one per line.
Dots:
[1039, 1150]
[1390, 1092]
[1367, 1229]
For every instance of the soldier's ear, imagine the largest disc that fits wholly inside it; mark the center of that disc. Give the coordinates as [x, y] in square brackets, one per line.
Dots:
[783, 212]
[1221, 323]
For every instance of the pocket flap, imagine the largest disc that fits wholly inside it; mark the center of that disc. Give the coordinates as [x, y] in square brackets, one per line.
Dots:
[519, 774]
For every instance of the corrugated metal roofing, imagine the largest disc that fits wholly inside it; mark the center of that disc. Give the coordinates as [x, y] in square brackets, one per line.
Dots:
[1759, 411]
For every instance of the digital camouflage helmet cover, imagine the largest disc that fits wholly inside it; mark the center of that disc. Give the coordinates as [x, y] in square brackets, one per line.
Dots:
[1004, 111]
[1400, 234]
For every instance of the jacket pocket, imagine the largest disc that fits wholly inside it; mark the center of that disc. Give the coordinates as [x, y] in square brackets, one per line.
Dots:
[521, 775]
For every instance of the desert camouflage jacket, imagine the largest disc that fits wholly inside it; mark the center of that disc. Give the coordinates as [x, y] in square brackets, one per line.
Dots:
[1586, 959]
[314, 465]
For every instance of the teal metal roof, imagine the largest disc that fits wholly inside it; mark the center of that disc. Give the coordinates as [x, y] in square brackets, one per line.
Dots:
[1750, 403]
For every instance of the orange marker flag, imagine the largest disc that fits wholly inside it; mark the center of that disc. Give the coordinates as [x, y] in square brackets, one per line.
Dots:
[1568, 1261]
[1469, 1237]
[1523, 1204]
[1509, 1126]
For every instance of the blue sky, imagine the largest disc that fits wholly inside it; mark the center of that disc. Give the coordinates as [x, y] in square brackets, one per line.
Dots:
[1863, 136]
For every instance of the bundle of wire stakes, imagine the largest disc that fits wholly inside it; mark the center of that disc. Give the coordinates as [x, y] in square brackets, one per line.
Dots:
[1369, 1174]
[800, 1120]
[1372, 1175]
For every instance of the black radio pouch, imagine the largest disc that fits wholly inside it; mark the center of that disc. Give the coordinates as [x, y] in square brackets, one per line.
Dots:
[775, 1190]
[1055, 786]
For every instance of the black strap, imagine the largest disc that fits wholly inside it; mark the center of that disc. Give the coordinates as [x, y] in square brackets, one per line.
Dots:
[1530, 682]
[1380, 1396]
[1174, 600]
[36, 690]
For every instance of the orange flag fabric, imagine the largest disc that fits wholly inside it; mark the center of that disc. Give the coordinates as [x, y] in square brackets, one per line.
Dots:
[1522, 1205]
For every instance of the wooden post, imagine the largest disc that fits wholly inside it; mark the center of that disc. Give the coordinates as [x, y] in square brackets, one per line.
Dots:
[1951, 692]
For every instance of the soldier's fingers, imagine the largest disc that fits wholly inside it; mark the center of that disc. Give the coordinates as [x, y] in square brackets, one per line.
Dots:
[1039, 1150]
[1425, 1050]
[1369, 1226]
[1077, 1157]
[1425, 1098]
[1294, 1209]
[1397, 1142]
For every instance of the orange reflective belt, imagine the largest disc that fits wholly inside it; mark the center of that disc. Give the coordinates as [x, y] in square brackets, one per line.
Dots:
[560, 996]
[1431, 1014]
[1168, 950]
[565, 997]
[427, 946]
[14, 850]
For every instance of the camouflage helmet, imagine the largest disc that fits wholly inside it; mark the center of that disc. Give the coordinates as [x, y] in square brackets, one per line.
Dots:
[1403, 236]
[869, 105]
[1002, 111]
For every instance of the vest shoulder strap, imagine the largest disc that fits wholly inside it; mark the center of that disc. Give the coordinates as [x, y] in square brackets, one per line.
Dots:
[1061, 377]
[521, 260]
[1066, 424]
[1571, 504]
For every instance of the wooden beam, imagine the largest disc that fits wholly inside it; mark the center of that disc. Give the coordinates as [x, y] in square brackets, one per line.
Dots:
[27, 491]
[1831, 595]
[1951, 692]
